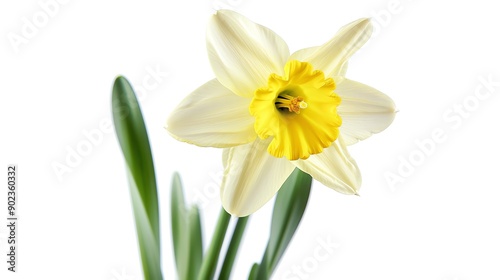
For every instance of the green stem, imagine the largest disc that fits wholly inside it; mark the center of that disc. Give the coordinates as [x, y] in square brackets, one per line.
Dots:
[232, 250]
[209, 264]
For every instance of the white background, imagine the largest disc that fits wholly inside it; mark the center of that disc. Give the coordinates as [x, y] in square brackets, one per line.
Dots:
[440, 222]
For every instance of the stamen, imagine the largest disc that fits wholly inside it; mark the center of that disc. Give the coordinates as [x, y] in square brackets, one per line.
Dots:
[293, 104]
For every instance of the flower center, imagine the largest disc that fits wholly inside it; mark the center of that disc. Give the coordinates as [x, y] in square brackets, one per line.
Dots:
[293, 104]
[280, 111]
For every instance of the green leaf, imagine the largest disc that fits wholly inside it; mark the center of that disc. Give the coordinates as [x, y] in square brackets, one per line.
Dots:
[186, 233]
[179, 218]
[253, 272]
[289, 207]
[195, 243]
[133, 138]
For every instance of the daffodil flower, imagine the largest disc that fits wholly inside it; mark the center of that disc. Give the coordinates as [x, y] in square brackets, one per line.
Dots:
[273, 112]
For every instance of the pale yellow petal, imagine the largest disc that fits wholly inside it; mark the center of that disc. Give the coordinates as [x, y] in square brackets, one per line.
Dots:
[252, 177]
[212, 116]
[303, 54]
[334, 168]
[331, 57]
[242, 53]
[364, 111]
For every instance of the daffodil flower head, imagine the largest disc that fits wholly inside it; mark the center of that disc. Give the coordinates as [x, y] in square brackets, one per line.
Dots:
[272, 112]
